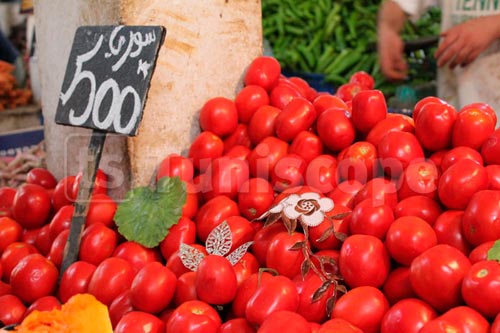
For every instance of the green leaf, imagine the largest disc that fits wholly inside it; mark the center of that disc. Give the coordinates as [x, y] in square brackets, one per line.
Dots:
[147, 213]
[494, 252]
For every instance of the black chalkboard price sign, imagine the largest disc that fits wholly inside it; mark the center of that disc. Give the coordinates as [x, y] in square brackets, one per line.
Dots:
[104, 89]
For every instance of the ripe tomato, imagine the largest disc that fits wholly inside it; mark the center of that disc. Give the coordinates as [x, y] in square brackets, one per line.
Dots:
[321, 173]
[56, 253]
[205, 147]
[64, 193]
[261, 124]
[371, 217]
[239, 137]
[60, 221]
[368, 108]
[479, 222]
[335, 129]
[121, 305]
[419, 206]
[363, 306]
[281, 257]
[98, 242]
[340, 226]
[111, 277]
[408, 237]
[397, 286]
[242, 231]
[344, 194]
[348, 90]
[100, 183]
[219, 116]
[224, 176]
[194, 317]
[34, 277]
[493, 171]
[216, 280]
[288, 172]
[378, 189]
[307, 145]
[236, 325]
[436, 276]
[480, 288]
[275, 294]
[338, 325]
[262, 239]
[7, 195]
[75, 280]
[245, 267]
[153, 288]
[255, 197]
[448, 229]
[326, 101]
[480, 252]
[139, 322]
[12, 255]
[263, 158]
[315, 311]
[420, 104]
[284, 321]
[246, 290]
[434, 125]
[42, 177]
[175, 165]
[10, 232]
[472, 127]
[136, 254]
[283, 93]
[419, 178]
[457, 319]
[264, 71]
[212, 213]
[397, 150]
[297, 116]
[408, 315]
[490, 150]
[460, 182]
[249, 100]
[364, 79]
[458, 153]
[364, 261]
[184, 231]
[392, 123]
[359, 161]
[45, 303]
[102, 209]
[31, 206]
[185, 289]
[175, 264]
[12, 309]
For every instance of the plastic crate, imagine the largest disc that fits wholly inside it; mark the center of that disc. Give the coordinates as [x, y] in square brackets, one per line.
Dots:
[11, 143]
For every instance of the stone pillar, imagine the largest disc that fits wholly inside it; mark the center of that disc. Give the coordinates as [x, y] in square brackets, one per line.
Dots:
[208, 46]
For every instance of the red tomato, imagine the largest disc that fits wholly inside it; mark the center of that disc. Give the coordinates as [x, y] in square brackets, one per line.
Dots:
[245, 267]
[185, 289]
[490, 150]
[246, 290]
[368, 108]
[371, 217]
[219, 116]
[392, 123]
[191, 205]
[175, 165]
[364, 79]
[458, 153]
[347, 91]
[288, 172]
[98, 242]
[264, 71]
[242, 231]
[397, 150]
[344, 194]
[12, 255]
[60, 221]
[102, 209]
[408, 315]
[419, 178]
[236, 325]
[378, 189]
[434, 125]
[249, 100]
[224, 176]
[493, 171]
[42, 177]
[335, 129]
[56, 253]
[75, 280]
[7, 195]
[45, 303]
[239, 137]
[363, 261]
[139, 322]
[31, 206]
[363, 307]
[307, 145]
[34, 277]
[278, 293]
[255, 197]
[184, 231]
[111, 277]
[480, 288]
[472, 127]
[420, 104]
[340, 226]
[284, 321]
[262, 239]
[194, 317]
[100, 183]
[283, 93]
[216, 280]
[303, 86]
[64, 193]
[153, 288]
[326, 101]
[358, 161]
[212, 213]
[12, 310]
[480, 218]
[5, 288]
[10, 232]
[175, 264]
[265, 155]
[436, 276]
[495, 326]
[338, 325]
[136, 254]
[448, 229]
[321, 173]
[419, 206]
[205, 147]
[261, 124]
[121, 305]
[397, 286]
[297, 116]
[408, 237]
[315, 311]
[281, 257]
[460, 182]
[457, 319]
[480, 252]
[238, 151]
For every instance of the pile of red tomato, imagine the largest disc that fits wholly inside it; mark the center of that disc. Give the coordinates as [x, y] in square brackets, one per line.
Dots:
[421, 193]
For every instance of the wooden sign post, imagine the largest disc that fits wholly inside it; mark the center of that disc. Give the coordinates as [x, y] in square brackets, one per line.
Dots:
[104, 89]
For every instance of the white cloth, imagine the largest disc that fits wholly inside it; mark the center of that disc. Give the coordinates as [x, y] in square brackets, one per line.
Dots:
[479, 81]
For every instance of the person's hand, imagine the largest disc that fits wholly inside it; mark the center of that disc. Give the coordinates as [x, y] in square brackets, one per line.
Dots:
[463, 43]
[391, 55]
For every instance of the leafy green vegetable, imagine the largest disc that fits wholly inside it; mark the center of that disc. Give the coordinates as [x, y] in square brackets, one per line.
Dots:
[494, 252]
[147, 213]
